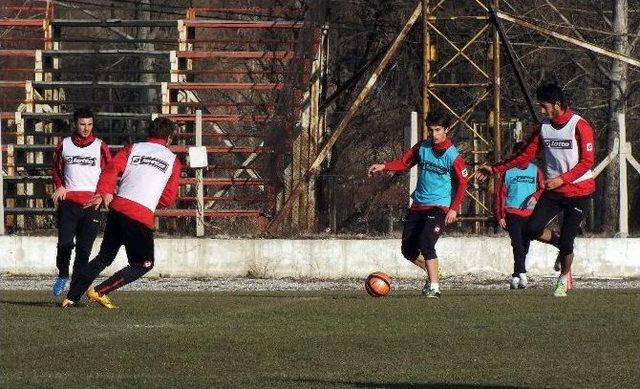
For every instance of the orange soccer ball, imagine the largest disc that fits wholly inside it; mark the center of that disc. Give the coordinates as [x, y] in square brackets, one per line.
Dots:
[378, 284]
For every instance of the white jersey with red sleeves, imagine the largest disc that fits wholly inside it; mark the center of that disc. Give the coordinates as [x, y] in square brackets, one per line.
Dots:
[81, 165]
[561, 149]
[147, 172]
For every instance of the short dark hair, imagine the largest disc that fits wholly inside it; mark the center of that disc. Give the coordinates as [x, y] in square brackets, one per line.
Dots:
[161, 128]
[517, 147]
[82, 113]
[551, 93]
[438, 119]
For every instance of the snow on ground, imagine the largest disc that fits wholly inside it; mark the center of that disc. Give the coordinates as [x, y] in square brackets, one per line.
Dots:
[12, 282]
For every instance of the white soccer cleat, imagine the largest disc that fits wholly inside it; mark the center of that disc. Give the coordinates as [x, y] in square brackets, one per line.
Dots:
[561, 287]
[513, 284]
[522, 284]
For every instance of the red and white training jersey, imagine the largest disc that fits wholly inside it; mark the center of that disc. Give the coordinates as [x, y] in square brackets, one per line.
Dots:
[82, 165]
[146, 174]
[561, 149]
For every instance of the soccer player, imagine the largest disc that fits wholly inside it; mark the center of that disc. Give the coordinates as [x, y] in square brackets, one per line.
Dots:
[77, 163]
[442, 181]
[150, 177]
[567, 145]
[519, 188]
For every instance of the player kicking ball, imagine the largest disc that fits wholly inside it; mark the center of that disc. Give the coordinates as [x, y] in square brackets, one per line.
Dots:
[442, 181]
[150, 175]
[566, 142]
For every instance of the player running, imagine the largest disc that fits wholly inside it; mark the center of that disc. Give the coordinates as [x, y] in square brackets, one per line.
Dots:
[77, 164]
[519, 188]
[150, 174]
[442, 181]
[567, 144]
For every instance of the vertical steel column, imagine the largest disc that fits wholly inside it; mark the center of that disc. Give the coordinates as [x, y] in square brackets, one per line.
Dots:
[426, 67]
[622, 165]
[1, 186]
[497, 119]
[200, 185]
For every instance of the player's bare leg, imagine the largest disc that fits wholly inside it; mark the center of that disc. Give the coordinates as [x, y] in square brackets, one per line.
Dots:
[434, 278]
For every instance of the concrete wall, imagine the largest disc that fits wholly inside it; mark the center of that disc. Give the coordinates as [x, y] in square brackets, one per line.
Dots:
[330, 259]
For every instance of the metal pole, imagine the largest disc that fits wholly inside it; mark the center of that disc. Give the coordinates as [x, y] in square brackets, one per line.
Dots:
[622, 163]
[497, 120]
[426, 67]
[511, 56]
[200, 185]
[2, 232]
[411, 139]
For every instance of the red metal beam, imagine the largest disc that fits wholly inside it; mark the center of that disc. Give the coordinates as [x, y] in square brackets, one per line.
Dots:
[225, 86]
[21, 22]
[17, 53]
[12, 84]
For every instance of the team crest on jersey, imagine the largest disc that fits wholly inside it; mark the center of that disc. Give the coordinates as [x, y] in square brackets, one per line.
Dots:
[464, 172]
[436, 229]
[558, 143]
[150, 161]
[147, 264]
[589, 146]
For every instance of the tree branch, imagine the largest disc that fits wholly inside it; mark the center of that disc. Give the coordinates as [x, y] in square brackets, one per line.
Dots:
[591, 55]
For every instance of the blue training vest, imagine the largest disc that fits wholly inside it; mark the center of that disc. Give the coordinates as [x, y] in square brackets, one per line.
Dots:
[520, 185]
[435, 186]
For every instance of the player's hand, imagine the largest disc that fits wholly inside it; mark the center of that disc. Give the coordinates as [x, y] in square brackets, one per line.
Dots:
[532, 202]
[375, 168]
[553, 183]
[483, 172]
[502, 223]
[95, 202]
[106, 199]
[59, 194]
[450, 217]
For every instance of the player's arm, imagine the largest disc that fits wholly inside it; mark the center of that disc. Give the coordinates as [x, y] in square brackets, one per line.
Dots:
[170, 192]
[536, 195]
[111, 172]
[586, 159]
[57, 175]
[461, 175]
[407, 161]
[521, 159]
[499, 199]
[109, 178]
[105, 154]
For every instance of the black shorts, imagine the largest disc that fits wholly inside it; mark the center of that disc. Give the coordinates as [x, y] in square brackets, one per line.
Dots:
[421, 232]
[572, 210]
[136, 237]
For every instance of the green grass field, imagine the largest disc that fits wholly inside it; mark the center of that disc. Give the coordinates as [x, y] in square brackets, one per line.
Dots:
[468, 339]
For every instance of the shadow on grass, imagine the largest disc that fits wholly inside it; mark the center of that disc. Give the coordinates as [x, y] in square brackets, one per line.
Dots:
[434, 385]
[46, 304]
